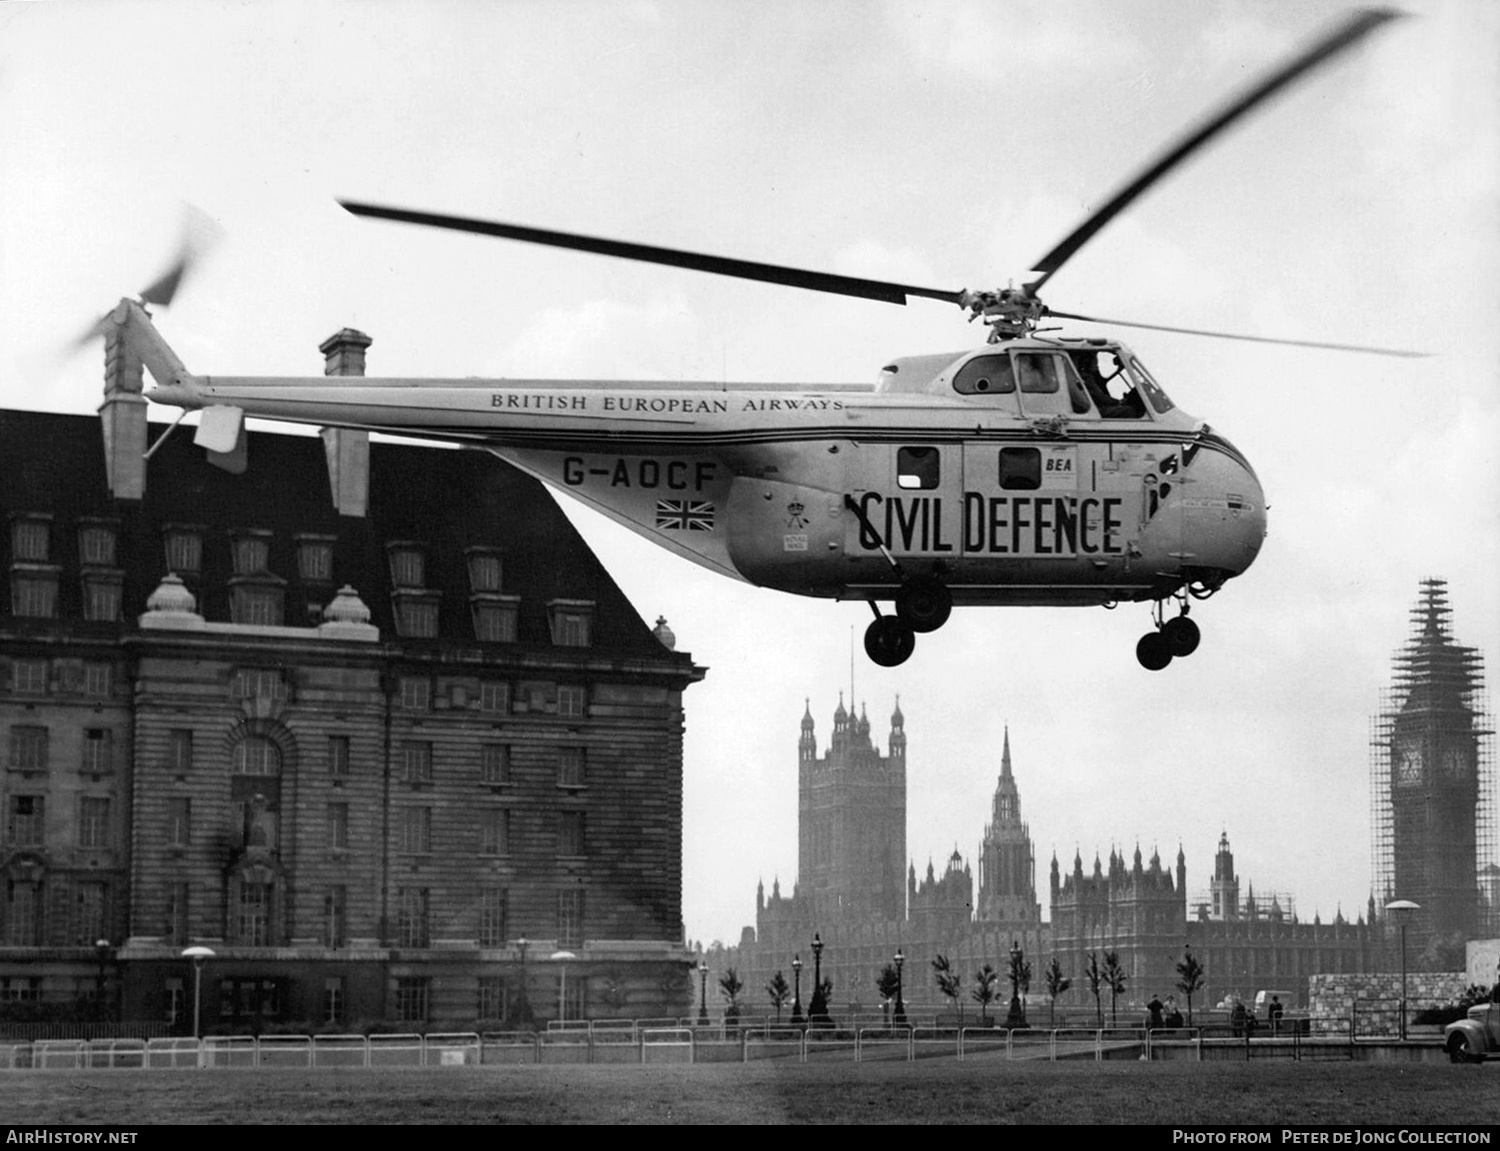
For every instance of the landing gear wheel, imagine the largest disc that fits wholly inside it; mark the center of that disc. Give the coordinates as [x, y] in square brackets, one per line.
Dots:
[1182, 635]
[924, 605]
[889, 641]
[1153, 651]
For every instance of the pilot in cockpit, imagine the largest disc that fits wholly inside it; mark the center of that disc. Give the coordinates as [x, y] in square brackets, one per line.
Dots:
[1097, 370]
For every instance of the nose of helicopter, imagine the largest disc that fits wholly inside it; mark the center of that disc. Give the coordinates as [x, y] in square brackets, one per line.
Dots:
[1230, 516]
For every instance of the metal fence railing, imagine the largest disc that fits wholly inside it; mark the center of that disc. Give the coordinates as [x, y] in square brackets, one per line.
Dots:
[684, 1041]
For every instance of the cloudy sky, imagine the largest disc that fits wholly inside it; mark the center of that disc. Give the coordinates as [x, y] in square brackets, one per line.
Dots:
[934, 143]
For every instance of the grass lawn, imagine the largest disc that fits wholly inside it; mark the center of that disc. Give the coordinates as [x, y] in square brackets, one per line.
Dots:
[931, 1091]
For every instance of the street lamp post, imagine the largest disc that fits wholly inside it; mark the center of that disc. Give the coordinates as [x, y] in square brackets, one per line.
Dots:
[817, 1009]
[1402, 909]
[797, 989]
[562, 958]
[198, 955]
[523, 1005]
[101, 952]
[702, 992]
[900, 1018]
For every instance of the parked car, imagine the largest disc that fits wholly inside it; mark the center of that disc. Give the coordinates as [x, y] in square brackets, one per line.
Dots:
[1476, 1036]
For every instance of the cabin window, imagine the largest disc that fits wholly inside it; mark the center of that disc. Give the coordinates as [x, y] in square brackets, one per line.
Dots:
[917, 468]
[1077, 394]
[984, 375]
[1021, 469]
[1037, 372]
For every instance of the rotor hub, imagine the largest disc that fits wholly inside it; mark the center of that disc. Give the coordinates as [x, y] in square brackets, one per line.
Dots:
[1010, 313]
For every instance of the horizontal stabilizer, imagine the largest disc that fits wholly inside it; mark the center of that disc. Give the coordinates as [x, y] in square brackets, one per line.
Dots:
[219, 431]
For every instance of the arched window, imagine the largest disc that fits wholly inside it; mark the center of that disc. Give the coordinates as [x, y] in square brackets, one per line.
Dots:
[256, 755]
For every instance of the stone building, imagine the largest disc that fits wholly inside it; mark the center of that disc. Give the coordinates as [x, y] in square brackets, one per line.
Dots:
[852, 822]
[384, 767]
[1141, 910]
[1136, 907]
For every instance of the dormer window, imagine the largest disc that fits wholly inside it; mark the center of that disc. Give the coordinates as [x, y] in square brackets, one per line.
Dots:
[408, 565]
[184, 547]
[103, 592]
[572, 622]
[96, 544]
[484, 570]
[315, 558]
[416, 613]
[250, 550]
[495, 617]
[30, 537]
[33, 591]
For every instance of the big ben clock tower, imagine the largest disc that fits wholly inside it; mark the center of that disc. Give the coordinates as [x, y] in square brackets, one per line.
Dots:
[1430, 752]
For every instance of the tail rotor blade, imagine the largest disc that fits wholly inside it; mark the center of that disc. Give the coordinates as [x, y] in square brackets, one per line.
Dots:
[199, 234]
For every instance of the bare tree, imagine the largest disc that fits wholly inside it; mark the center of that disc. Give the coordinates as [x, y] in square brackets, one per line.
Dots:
[1095, 978]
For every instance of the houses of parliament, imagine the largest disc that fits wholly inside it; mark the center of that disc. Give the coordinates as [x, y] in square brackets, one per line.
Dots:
[852, 851]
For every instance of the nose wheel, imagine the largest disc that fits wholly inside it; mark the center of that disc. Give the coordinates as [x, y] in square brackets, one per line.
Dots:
[1174, 638]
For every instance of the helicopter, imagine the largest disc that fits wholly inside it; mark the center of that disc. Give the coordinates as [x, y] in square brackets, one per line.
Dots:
[1036, 469]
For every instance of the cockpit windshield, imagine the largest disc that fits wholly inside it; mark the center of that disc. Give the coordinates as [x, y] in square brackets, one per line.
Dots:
[1158, 398]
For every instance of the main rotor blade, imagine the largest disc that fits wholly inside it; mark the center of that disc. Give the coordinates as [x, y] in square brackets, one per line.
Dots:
[1352, 30]
[672, 257]
[1237, 336]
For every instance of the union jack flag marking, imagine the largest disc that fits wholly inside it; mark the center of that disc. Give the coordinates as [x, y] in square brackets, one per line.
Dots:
[685, 515]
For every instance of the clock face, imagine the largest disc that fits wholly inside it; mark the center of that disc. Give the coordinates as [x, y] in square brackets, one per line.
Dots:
[1455, 762]
[1406, 763]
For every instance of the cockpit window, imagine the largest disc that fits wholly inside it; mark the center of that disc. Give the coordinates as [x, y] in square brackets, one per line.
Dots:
[983, 375]
[1108, 383]
[1158, 398]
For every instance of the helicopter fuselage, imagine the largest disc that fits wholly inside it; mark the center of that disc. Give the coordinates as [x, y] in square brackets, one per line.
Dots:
[996, 472]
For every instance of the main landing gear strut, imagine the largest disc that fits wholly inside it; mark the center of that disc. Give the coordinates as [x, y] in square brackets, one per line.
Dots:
[923, 604]
[1174, 637]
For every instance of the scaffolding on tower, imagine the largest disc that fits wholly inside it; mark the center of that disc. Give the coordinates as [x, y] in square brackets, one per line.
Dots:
[1432, 788]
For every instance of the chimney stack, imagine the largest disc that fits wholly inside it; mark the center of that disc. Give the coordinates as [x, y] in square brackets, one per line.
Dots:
[348, 450]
